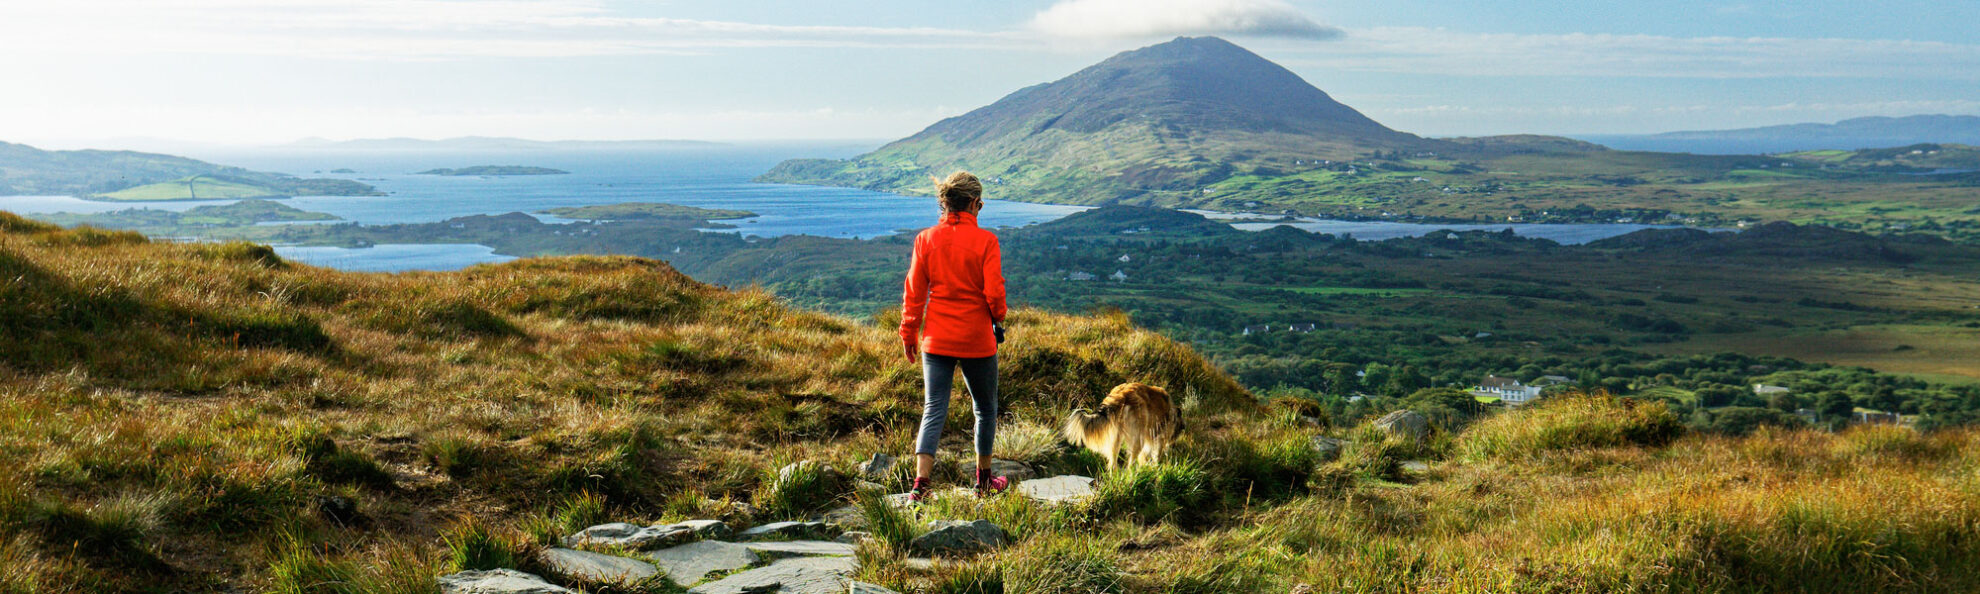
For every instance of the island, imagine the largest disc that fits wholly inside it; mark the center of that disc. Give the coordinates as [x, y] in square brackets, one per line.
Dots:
[134, 176]
[637, 211]
[237, 219]
[494, 170]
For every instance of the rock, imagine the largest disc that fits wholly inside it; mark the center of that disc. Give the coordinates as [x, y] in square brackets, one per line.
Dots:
[1017, 471]
[596, 568]
[1416, 466]
[866, 485]
[1327, 447]
[854, 537]
[786, 530]
[801, 548]
[702, 529]
[784, 474]
[807, 575]
[878, 467]
[688, 563]
[845, 517]
[1059, 489]
[497, 581]
[1404, 424]
[621, 534]
[866, 588]
[958, 537]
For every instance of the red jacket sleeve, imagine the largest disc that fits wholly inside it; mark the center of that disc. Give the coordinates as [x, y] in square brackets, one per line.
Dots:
[993, 280]
[914, 294]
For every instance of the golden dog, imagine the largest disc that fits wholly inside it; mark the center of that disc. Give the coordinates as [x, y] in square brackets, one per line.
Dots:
[1136, 419]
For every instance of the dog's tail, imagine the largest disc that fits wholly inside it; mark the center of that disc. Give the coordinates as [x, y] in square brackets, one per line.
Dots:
[1082, 426]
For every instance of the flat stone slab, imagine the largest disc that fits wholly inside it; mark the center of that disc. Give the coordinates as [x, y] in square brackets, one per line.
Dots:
[1065, 488]
[596, 567]
[616, 534]
[1416, 466]
[802, 548]
[497, 581]
[804, 575]
[689, 563]
[785, 530]
[866, 588]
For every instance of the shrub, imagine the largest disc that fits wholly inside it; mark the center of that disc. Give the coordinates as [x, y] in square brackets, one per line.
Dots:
[472, 544]
[1569, 421]
[298, 569]
[800, 489]
[889, 524]
[1154, 492]
[457, 453]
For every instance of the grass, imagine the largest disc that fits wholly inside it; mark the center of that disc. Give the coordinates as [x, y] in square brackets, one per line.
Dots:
[172, 418]
[192, 188]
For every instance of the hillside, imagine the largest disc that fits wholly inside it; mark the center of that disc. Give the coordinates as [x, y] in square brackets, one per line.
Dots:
[209, 418]
[1146, 126]
[1851, 134]
[128, 175]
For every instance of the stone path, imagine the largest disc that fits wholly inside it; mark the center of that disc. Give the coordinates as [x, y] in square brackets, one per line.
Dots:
[793, 566]
[596, 567]
[689, 563]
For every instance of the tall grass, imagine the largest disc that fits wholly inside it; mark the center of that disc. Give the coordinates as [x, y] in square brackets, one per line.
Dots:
[1570, 421]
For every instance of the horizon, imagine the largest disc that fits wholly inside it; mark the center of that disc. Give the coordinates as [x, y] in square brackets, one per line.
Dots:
[240, 73]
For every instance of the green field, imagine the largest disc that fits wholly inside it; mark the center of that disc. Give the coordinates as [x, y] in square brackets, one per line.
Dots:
[192, 188]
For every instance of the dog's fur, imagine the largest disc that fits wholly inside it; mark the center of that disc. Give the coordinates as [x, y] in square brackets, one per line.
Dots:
[1135, 419]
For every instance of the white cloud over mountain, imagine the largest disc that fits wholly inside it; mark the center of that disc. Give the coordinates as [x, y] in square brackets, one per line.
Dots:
[1118, 19]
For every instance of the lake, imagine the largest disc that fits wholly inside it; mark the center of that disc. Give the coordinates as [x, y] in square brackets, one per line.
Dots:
[714, 176]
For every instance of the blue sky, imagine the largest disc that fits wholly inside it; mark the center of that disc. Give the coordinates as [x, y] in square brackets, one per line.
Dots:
[83, 72]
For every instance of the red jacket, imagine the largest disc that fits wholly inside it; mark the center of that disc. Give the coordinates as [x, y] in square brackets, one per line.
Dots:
[954, 289]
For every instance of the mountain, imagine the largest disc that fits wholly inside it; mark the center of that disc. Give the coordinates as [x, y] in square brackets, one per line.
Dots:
[488, 143]
[130, 175]
[1149, 126]
[1851, 134]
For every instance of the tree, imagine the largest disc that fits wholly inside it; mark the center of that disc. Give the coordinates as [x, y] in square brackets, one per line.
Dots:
[1836, 409]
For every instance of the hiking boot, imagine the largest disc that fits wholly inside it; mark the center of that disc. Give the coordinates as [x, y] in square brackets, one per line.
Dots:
[987, 485]
[919, 494]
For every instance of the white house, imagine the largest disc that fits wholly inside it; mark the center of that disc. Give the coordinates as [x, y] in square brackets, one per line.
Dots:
[1764, 389]
[1118, 276]
[1507, 390]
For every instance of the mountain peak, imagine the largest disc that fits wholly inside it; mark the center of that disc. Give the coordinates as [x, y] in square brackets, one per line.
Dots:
[1155, 124]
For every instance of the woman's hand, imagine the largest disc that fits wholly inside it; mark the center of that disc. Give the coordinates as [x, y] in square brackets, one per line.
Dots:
[913, 352]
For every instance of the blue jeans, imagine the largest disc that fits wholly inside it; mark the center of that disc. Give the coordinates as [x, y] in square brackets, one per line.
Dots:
[938, 376]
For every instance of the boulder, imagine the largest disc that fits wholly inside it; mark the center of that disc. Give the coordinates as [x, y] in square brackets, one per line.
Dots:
[688, 563]
[958, 537]
[786, 530]
[1327, 447]
[801, 548]
[878, 467]
[866, 588]
[1404, 424]
[596, 568]
[807, 575]
[1016, 471]
[621, 534]
[497, 581]
[1059, 489]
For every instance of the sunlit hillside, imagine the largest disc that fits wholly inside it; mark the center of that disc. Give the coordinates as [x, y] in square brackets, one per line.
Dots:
[207, 417]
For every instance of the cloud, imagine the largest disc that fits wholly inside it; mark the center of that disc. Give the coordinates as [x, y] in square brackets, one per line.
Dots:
[418, 30]
[1117, 19]
[1425, 51]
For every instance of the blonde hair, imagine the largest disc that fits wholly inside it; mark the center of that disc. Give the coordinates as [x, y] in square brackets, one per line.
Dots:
[957, 192]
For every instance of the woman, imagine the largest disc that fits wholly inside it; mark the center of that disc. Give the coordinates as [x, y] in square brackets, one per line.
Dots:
[951, 316]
